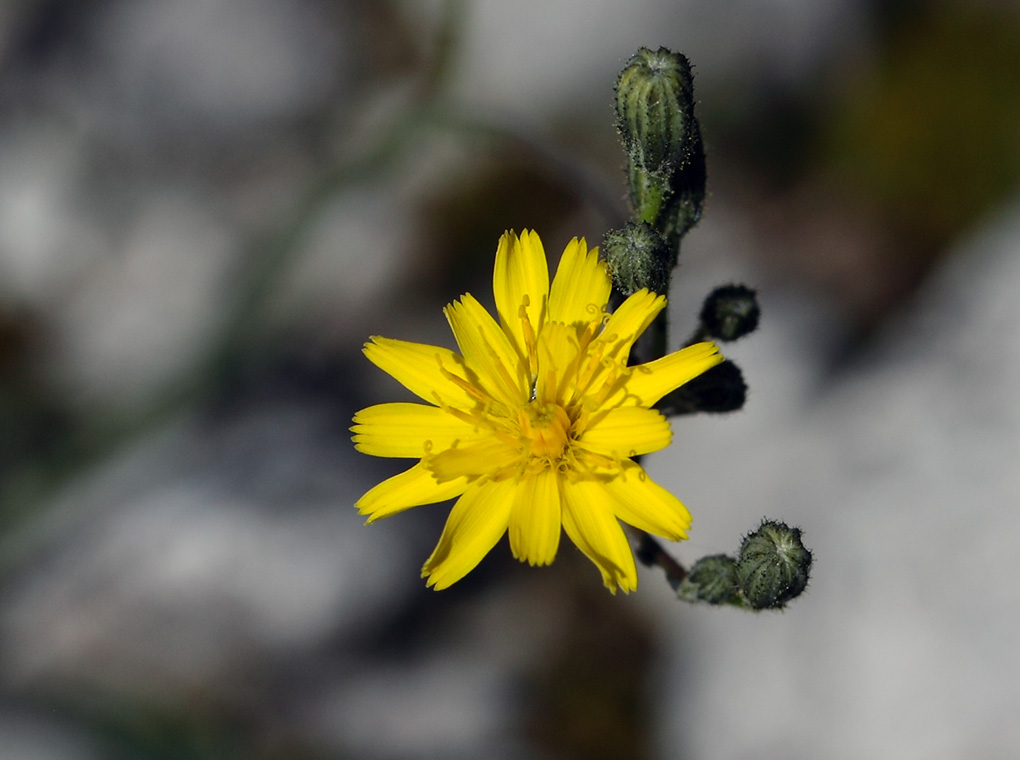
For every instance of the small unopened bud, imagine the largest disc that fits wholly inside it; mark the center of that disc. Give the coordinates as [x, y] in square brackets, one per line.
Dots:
[773, 566]
[637, 257]
[730, 312]
[712, 579]
[655, 107]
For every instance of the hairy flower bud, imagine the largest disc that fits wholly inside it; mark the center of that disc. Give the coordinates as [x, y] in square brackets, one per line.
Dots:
[655, 107]
[730, 312]
[773, 566]
[666, 158]
[637, 257]
[712, 579]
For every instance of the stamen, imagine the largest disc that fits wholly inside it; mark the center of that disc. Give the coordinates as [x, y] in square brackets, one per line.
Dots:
[530, 339]
[590, 460]
[591, 370]
[476, 421]
[510, 386]
[465, 385]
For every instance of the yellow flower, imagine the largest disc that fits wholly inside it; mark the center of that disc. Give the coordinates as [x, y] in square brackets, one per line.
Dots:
[535, 423]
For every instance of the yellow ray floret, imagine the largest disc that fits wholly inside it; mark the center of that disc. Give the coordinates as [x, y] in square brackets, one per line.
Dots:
[534, 424]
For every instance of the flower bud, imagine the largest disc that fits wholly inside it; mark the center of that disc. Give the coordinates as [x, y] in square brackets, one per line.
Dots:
[666, 158]
[730, 312]
[655, 108]
[637, 257]
[773, 566]
[712, 579]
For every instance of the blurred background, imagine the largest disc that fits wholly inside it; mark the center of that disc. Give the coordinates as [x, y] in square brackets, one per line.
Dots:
[207, 206]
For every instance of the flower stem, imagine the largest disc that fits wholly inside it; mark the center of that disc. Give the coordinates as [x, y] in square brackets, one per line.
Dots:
[651, 554]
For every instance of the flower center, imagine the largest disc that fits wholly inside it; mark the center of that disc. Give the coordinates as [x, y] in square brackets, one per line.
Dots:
[545, 430]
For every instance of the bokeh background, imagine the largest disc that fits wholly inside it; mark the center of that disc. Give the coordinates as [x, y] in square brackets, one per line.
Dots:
[206, 206]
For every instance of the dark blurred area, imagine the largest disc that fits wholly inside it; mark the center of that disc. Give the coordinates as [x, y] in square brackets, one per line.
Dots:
[207, 206]
[898, 148]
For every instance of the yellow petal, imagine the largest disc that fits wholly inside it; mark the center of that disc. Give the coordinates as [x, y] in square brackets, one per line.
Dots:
[483, 457]
[477, 521]
[626, 432]
[411, 488]
[580, 289]
[651, 381]
[557, 373]
[590, 523]
[628, 322]
[646, 505]
[535, 519]
[521, 272]
[487, 351]
[407, 430]
[420, 369]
